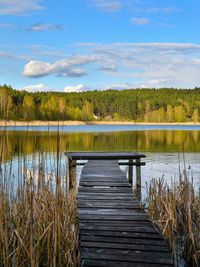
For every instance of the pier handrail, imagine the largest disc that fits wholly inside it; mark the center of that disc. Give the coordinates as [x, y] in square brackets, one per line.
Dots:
[134, 159]
[104, 155]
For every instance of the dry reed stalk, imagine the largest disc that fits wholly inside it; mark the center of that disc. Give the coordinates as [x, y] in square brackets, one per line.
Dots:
[175, 210]
[38, 225]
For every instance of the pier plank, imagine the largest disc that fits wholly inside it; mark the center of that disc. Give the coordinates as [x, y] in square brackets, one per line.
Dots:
[140, 247]
[108, 263]
[155, 257]
[124, 240]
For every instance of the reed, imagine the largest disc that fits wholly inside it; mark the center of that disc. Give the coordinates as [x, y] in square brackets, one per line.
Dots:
[38, 223]
[175, 209]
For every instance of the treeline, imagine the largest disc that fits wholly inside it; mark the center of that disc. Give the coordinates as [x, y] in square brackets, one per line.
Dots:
[145, 105]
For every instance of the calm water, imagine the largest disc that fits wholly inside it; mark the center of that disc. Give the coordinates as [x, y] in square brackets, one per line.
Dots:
[103, 128]
[167, 148]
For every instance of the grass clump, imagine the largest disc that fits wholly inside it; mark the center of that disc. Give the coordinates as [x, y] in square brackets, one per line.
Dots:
[38, 224]
[176, 211]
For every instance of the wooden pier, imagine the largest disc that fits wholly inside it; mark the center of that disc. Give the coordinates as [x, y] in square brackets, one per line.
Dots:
[114, 229]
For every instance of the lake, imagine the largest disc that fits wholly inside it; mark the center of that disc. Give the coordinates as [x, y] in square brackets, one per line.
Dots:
[168, 148]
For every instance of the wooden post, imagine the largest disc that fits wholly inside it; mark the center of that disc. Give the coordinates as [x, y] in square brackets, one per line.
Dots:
[138, 179]
[67, 174]
[72, 173]
[130, 171]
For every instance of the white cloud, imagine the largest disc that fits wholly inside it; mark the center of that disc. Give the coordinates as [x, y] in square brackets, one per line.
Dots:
[19, 7]
[86, 44]
[164, 46]
[67, 67]
[155, 83]
[120, 86]
[45, 27]
[110, 67]
[37, 69]
[43, 50]
[149, 64]
[134, 6]
[35, 88]
[5, 54]
[106, 6]
[167, 9]
[141, 21]
[43, 88]
[73, 61]
[74, 73]
[76, 88]
[154, 64]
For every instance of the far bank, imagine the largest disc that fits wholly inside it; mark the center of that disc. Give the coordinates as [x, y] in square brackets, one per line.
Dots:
[12, 123]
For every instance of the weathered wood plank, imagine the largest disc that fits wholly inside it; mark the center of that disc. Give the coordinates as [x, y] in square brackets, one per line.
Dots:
[103, 179]
[115, 223]
[124, 240]
[110, 233]
[91, 193]
[108, 263]
[126, 255]
[99, 183]
[105, 204]
[140, 247]
[103, 155]
[104, 217]
[106, 190]
[131, 229]
[105, 198]
[123, 163]
[116, 203]
[117, 212]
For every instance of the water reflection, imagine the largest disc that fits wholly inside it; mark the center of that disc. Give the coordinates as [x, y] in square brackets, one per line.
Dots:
[167, 151]
[15, 143]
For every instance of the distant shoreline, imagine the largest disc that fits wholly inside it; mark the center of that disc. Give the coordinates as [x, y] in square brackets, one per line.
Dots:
[4, 123]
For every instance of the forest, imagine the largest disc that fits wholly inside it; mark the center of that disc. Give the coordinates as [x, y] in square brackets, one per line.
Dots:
[139, 105]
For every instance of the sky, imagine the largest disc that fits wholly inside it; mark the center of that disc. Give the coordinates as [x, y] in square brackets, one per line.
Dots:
[83, 45]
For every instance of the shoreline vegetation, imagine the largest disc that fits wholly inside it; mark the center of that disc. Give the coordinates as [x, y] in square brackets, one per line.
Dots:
[38, 222]
[165, 105]
[174, 210]
[12, 123]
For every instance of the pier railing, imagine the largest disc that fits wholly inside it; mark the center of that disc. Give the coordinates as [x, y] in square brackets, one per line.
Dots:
[129, 159]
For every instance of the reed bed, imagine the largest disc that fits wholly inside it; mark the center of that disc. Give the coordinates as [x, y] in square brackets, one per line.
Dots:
[175, 209]
[38, 225]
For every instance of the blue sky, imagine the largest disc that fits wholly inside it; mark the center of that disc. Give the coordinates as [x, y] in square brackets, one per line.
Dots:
[97, 44]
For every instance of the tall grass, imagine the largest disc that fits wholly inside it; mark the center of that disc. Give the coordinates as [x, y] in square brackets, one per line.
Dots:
[38, 223]
[176, 210]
